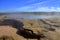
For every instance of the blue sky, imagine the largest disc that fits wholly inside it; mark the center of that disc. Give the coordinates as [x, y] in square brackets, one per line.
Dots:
[29, 5]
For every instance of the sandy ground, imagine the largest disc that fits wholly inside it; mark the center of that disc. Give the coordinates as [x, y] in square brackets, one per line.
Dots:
[50, 28]
[9, 31]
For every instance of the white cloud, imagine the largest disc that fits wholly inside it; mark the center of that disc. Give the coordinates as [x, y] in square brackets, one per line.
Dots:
[47, 9]
[39, 7]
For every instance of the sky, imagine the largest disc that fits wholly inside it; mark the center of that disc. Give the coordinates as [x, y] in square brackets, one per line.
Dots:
[29, 5]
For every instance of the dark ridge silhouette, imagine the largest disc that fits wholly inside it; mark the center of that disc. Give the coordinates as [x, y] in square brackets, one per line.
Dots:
[26, 33]
[50, 28]
[14, 23]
